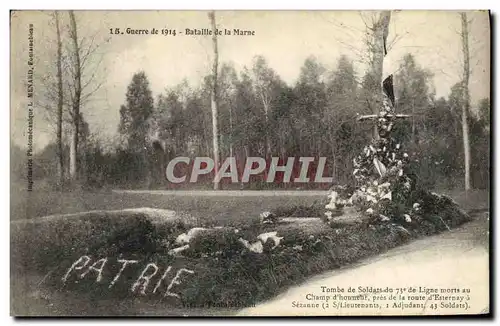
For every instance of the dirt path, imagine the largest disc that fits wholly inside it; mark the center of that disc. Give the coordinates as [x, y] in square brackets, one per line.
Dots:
[455, 259]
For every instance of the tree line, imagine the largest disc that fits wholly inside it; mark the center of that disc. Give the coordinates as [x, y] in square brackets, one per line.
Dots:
[259, 114]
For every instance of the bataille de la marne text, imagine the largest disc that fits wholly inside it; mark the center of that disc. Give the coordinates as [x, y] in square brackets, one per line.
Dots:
[185, 31]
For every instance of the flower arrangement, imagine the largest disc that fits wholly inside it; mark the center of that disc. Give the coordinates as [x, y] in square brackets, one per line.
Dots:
[381, 179]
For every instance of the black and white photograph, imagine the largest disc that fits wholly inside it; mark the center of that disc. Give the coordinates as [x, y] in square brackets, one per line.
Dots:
[247, 163]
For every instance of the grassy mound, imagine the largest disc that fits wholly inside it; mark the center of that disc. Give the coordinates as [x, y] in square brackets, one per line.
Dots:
[315, 209]
[40, 243]
[217, 268]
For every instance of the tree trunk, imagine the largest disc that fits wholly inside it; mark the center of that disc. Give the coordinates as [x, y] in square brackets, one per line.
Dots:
[413, 121]
[466, 99]
[76, 99]
[213, 102]
[265, 103]
[333, 173]
[380, 31]
[230, 130]
[60, 99]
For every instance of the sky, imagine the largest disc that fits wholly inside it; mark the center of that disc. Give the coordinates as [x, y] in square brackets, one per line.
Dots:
[284, 38]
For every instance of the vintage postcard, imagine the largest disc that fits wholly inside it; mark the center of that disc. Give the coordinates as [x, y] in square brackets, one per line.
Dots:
[250, 163]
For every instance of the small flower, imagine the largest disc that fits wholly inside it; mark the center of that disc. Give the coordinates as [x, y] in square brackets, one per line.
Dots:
[387, 196]
[407, 218]
[331, 206]
[397, 146]
[267, 218]
[384, 218]
[405, 155]
[369, 211]
[416, 207]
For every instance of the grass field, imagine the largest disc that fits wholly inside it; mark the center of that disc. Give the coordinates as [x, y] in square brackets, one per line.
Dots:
[208, 209]
[220, 209]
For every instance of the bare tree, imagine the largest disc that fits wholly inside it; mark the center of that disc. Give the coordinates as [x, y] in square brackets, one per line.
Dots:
[466, 97]
[213, 102]
[76, 97]
[60, 102]
[81, 80]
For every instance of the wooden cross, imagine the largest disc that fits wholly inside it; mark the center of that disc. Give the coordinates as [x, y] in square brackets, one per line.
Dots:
[376, 116]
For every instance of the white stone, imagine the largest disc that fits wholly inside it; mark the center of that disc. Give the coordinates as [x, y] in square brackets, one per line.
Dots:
[263, 237]
[256, 247]
[177, 251]
[186, 237]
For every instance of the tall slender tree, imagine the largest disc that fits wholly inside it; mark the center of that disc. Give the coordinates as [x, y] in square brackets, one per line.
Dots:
[213, 99]
[76, 97]
[60, 101]
[466, 97]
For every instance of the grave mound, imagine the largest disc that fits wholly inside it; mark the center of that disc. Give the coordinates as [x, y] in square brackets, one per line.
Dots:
[169, 258]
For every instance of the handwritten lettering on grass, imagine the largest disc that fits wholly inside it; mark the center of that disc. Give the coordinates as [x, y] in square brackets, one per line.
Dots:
[82, 267]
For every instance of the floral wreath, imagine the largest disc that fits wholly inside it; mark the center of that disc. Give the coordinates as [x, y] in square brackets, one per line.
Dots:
[380, 176]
